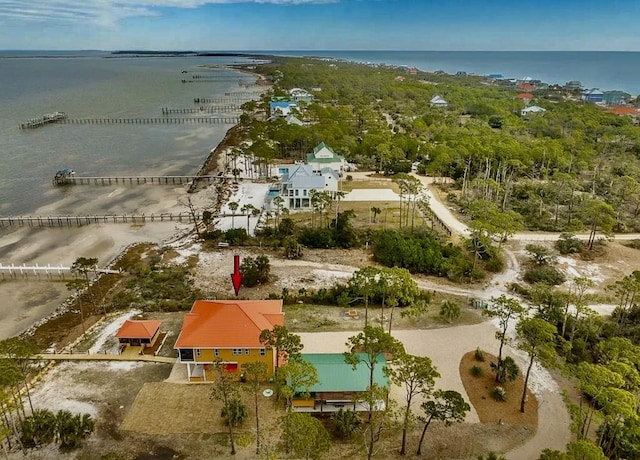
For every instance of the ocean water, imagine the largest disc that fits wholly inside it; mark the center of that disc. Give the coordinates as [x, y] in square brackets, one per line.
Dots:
[95, 86]
[605, 70]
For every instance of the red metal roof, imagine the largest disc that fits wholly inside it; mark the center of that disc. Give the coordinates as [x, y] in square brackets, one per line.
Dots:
[228, 323]
[525, 96]
[138, 329]
[625, 111]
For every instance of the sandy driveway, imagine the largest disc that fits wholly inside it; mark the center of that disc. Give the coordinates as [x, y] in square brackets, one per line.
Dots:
[446, 347]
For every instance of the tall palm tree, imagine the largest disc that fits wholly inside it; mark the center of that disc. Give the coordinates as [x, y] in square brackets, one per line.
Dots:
[233, 206]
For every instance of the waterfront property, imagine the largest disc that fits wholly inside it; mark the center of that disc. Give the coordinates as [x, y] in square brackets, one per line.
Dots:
[281, 106]
[613, 98]
[136, 336]
[227, 333]
[300, 95]
[339, 386]
[300, 182]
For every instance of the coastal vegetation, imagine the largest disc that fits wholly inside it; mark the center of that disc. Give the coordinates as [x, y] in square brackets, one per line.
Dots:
[552, 172]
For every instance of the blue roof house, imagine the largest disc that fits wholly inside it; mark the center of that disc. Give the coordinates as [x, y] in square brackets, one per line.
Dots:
[281, 108]
[593, 95]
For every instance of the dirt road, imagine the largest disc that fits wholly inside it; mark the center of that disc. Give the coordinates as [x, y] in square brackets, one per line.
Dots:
[446, 347]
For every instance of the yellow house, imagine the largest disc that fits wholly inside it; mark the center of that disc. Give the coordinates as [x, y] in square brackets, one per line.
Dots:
[226, 331]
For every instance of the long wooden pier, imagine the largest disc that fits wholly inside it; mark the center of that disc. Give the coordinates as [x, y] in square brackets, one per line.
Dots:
[133, 180]
[55, 117]
[79, 221]
[210, 109]
[149, 121]
[49, 271]
[220, 100]
[249, 94]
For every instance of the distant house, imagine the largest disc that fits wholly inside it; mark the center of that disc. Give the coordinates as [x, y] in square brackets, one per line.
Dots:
[532, 110]
[293, 120]
[573, 85]
[300, 95]
[281, 107]
[139, 334]
[525, 97]
[323, 156]
[593, 95]
[495, 76]
[339, 385]
[412, 70]
[299, 182]
[399, 78]
[226, 332]
[438, 101]
[615, 97]
[526, 87]
[627, 112]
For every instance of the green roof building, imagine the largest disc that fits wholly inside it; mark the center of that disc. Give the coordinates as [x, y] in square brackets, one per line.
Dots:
[323, 156]
[339, 384]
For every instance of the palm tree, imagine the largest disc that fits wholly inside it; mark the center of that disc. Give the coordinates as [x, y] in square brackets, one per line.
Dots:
[233, 206]
[449, 310]
[375, 212]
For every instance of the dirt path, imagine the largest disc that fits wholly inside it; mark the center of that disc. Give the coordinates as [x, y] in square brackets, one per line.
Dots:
[446, 347]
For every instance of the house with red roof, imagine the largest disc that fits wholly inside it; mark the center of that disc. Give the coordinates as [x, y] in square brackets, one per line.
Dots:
[526, 87]
[226, 332]
[142, 334]
[526, 97]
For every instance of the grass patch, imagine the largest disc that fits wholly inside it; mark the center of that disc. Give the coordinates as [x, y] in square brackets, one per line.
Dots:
[349, 185]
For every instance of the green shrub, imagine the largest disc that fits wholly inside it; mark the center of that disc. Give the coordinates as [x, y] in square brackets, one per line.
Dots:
[449, 310]
[499, 393]
[255, 271]
[476, 371]
[234, 412]
[317, 238]
[236, 236]
[345, 423]
[568, 243]
[544, 274]
[292, 249]
[479, 355]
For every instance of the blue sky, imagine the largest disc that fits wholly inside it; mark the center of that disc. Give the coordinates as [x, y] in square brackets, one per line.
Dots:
[320, 24]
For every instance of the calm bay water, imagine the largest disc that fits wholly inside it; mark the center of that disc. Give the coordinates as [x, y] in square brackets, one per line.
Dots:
[604, 70]
[93, 86]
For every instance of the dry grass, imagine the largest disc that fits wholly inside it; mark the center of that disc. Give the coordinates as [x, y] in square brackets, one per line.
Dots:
[320, 318]
[491, 411]
[348, 185]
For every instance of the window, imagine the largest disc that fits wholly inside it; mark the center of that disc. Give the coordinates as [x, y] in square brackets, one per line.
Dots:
[186, 354]
[237, 351]
[263, 352]
[197, 351]
[216, 352]
[304, 192]
[297, 192]
[246, 351]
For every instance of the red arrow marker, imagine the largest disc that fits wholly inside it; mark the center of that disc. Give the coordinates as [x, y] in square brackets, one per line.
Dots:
[236, 276]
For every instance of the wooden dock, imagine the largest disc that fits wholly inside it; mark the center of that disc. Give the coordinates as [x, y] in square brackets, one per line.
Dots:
[79, 221]
[149, 121]
[134, 180]
[210, 109]
[249, 94]
[220, 100]
[49, 271]
[55, 117]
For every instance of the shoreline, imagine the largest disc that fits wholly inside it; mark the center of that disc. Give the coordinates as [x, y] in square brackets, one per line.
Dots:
[33, 303]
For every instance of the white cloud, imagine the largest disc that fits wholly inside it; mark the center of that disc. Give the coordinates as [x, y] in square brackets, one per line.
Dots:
[108, 13]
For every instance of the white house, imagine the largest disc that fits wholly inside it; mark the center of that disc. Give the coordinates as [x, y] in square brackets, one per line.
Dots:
[532, 109]
[324, 157]
[299, 182]
[300, 95]
[438, 101]
[293, 120]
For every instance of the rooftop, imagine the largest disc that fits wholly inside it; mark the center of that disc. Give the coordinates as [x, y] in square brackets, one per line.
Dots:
[336, 375]
[228, 323]
[138, 329]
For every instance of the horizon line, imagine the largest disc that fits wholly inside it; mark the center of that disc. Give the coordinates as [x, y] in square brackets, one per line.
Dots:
[159, 50]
